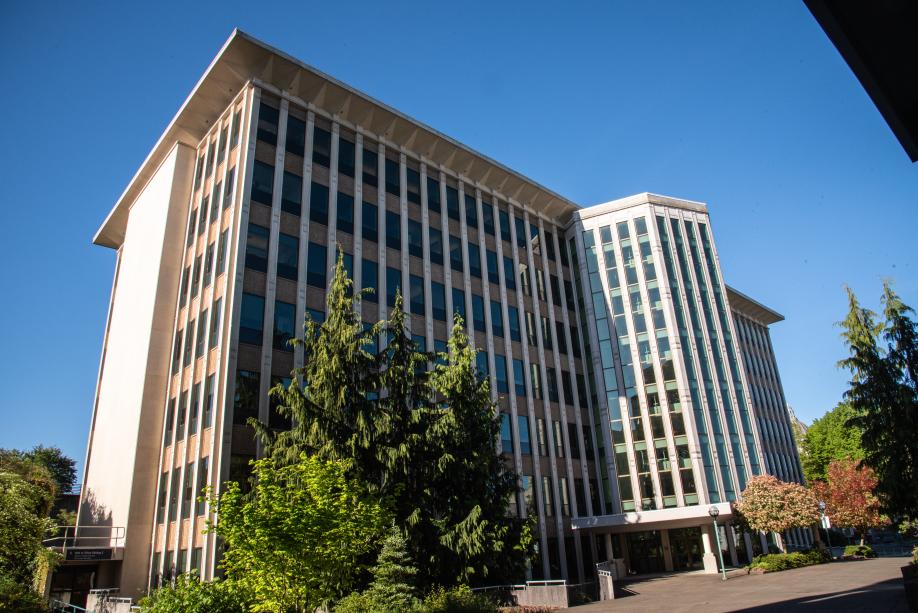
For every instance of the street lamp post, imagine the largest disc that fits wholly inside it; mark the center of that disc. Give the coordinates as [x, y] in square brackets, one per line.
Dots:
[822, 513]
[714, 512]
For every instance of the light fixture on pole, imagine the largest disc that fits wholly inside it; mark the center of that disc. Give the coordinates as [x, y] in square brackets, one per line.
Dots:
[822, 512]
[714, 512]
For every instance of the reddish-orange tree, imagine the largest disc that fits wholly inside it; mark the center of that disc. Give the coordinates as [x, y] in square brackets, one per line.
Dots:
[849, 497]
[771, 505]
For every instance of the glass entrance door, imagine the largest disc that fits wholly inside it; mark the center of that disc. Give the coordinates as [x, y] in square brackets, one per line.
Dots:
[685, 544]
[645, 552]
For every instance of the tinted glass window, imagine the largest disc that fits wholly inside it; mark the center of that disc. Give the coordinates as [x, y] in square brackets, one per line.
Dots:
[296, 136]
[345, 157]
[455, 253]
[251, 321]
[267, 123]
[284, 327]
[393, 230]
[459, 304]
[369, 279]
[413, 186]
[321, 147]
[292, 193]
[316, 266]
[433, 194]
[438, 300]
[370, 167]
[256, 249]
[417, 295]
[345, 213]
[436, 245]
[393, 284]
[288, 251]
[452, 202]
[474, 261]
[415, 238]
[318, 203]
[392, 177]
[497, 320]
[471, 211]
[262, 183]
[370, 222]
[487, 217]
[478, 312]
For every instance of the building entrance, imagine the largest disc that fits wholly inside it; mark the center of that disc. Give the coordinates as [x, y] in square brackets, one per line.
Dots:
[685, 544]
[645, 552]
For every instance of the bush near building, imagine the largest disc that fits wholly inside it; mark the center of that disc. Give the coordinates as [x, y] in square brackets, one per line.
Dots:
[774, 562]
[860, 551]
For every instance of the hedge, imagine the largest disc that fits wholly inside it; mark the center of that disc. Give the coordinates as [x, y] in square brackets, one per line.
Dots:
[774, 562]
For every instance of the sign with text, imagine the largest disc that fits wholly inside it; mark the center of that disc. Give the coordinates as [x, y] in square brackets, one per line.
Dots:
[89, 555]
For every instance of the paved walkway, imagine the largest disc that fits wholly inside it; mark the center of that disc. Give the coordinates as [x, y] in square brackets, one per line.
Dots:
[839, 587]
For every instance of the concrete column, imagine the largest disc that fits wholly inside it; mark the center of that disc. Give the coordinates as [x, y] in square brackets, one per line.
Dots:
[710, 555]
[764, 542]
[749, 551]
[608, 542]
[667, 551]
[731, 546]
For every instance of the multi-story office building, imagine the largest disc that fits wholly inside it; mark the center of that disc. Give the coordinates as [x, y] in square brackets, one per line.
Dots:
[606, 331]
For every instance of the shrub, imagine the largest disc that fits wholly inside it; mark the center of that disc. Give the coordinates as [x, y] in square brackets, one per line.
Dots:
[17, 597]
[191, 594]
[457, 600]
[860, 550]
[915, 555]
[774, 562]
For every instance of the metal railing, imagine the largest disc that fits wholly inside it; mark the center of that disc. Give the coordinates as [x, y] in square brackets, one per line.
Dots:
[84, 537]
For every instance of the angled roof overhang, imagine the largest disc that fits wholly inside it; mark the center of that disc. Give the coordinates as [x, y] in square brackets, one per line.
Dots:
[745, 305]
[244, 58]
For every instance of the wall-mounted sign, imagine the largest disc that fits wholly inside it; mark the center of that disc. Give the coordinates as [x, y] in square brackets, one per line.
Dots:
[89, 555]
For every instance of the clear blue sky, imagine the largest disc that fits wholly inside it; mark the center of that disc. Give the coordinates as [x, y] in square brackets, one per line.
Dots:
[745, 106]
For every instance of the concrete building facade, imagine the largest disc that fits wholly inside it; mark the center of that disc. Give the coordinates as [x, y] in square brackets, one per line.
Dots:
[607, 333]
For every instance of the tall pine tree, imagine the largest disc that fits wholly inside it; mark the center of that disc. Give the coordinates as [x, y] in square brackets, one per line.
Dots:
[884, 392]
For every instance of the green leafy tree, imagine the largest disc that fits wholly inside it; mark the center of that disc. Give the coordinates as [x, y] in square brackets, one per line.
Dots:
[883, 390]
[295, 541]
[61, 467]
[393, 586]
[189, 593]
[23, 523]
[831, 437]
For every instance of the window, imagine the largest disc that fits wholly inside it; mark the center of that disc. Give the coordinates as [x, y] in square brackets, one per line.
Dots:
[191, 221]
[559, 439]
[487, 217]
[520, 232]
[522, 425]
[546, 333]
[547, 496]
[575, 342]
[267, 124]
[417, 294]
[478, 312]
[541, 437]
[506, 438]
[393, 230]
[221, 146]
[284, 327]
[536, 379]
[296, 136]
[202, 221]
[433, 194]
[318, 203]
[215, 209]
[193, 409]
[345, 157]
[550, 245]
[497, 320]
[170, 423]
[438, 300]
[540, 283]
[393, 284]
[183, 288]
[316, 266]
[182, 415]
[288, 250]
[413, 187]
[345, 212]
[369, 278]
[203, 481]
[555, 290]
[509, 274]
[210, 159]
[207, 422]
[245, 400]
[513, 317]
[256, 248]
[519, 377]
[370, 222]
[559, 333]
[415, 239]
[459, 305]
[234, 131]
[199, 338]
[568, 292]
[370, 166]
[262, 183]
[567, 387]
[252, 320]
[474, 261]
[524, 280]
[452, 202]
[504, 218]
[455, 253]
[228, 191]
[471, 211]
[321, 146]
[292, 193]
[531, 329]
[500, 373]
[392, 177]
[572, 439]
[493, 272]
[552, 384]
[173, 495]
[565, 496]
[436, 245]
[221, 253]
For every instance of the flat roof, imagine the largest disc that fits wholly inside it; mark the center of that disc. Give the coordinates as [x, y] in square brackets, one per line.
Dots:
[753, 308]
[244, 58]
[638, 200]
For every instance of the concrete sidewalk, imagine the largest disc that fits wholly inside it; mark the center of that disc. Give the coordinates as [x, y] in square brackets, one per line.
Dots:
[839, 587]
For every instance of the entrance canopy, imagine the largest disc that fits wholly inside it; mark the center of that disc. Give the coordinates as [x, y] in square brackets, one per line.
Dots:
[637, 521]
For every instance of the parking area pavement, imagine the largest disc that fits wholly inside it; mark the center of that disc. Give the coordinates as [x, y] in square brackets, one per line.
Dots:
[839, 587]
